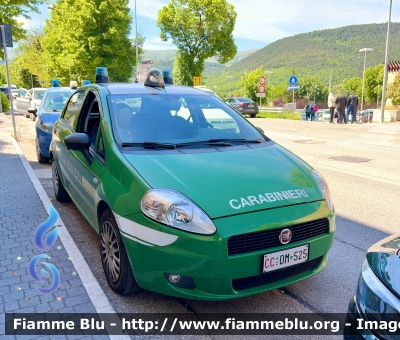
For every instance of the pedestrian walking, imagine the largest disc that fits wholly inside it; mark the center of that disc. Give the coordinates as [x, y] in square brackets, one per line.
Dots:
[314, 110]
[341, 101]
[352, 102]
[308, 111]
[332, 105]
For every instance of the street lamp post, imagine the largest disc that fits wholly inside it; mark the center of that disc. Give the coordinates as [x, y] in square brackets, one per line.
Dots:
[315, 88]
[365, 50]
[386, 66]
[229, 77]
[137, 54]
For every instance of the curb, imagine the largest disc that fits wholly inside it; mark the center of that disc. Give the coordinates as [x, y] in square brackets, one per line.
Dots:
[93, 289]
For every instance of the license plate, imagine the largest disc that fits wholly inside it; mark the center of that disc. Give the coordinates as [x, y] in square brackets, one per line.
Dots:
[285, 258]
[250, 105]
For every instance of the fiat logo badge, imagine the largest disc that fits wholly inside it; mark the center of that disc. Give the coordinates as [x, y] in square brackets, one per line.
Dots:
[285, 236]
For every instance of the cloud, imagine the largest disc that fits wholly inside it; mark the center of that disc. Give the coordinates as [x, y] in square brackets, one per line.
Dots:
[155, 43]
[148, 8]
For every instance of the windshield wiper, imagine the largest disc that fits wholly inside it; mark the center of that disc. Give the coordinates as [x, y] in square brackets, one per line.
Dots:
[220, 142]
[151, 145]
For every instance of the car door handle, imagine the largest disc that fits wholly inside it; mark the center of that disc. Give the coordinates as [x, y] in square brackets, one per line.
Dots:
[95, 180]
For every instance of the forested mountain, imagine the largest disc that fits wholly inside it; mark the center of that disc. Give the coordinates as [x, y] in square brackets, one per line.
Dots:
[164, 59]
[316, 53]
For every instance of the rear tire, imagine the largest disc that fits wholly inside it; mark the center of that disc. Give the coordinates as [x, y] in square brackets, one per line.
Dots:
[253, 115]
[114, 259]
[41, 159]
[59, 190]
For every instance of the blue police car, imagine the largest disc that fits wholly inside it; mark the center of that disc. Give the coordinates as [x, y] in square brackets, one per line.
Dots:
[47, 114]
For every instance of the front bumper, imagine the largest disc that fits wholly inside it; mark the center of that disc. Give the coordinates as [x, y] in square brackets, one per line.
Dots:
[206, 260]
[373, 302]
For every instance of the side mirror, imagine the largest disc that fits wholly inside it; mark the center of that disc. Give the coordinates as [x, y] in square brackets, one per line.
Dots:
[260, 130]
[32, 110]
[79, 142]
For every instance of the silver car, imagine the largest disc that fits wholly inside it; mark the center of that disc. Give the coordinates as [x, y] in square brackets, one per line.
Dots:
[26, 99]
[243, 105]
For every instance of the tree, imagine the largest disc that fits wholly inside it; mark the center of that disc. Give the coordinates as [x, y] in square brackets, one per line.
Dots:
[11, 10]
[200, 29]
[393, 91]
[31, 63]
[353, 84]
[312, 85]
[249, 84]
[81, 35]
[373, 77]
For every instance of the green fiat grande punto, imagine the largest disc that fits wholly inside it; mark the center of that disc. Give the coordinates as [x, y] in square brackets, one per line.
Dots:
[188, 198]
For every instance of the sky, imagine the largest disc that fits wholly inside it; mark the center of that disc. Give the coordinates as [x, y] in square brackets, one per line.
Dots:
[260, 22]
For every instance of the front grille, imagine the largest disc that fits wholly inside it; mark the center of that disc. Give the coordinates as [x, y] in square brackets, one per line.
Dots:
[281, 274]
[246, 243]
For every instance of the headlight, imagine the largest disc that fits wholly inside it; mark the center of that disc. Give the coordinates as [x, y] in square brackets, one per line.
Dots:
[173, 209]
[47, 127]
[324, 188]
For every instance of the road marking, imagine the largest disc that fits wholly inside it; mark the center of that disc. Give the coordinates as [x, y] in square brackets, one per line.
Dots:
[96, 294]
[352, 173]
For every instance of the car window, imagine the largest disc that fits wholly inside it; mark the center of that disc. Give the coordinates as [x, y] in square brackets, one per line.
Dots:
[176, 118]
[244, 100]
[55, 101]
[38, 94]
[23, 93]
[73, 107]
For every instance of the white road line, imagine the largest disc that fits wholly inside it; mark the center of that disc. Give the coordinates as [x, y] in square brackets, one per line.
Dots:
[352, 173]
[96, 294]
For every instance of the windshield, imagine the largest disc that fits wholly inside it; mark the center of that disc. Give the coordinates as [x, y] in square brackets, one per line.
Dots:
[54, 101]
[168, 118]
[38, 94]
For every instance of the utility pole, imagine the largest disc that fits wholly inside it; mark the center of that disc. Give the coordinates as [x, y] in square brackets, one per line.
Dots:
[3, 36]
[137, 51]
[386, 66]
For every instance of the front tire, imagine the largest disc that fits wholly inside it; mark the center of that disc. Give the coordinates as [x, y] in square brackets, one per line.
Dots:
[253, 115]
[40, 157]
[114, 259]
[33, 117]
[59, 190]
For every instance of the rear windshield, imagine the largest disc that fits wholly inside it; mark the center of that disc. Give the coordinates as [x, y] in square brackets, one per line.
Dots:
[38, 94]
[176, 118]
[244, 100]
[54, 101]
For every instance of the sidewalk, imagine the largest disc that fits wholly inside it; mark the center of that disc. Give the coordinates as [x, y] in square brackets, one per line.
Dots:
[22, 210]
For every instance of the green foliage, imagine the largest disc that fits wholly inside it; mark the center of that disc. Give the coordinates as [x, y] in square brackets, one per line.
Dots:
[310, 86]
[373, 77]
[200, 29]
[81, 35]
[249, 85]
[11, 10]
[352, 84]
[278, 115]
[3, 76]
[29, 65]
[393, 91]
[5, 102]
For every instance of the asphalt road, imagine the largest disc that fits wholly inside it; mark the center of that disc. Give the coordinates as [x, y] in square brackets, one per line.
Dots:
[361, 165]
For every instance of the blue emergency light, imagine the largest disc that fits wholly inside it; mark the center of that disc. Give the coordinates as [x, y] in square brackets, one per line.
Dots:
[55, 83]
[86, 82]
[167, 75]
[154, 78]
[101, 74]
